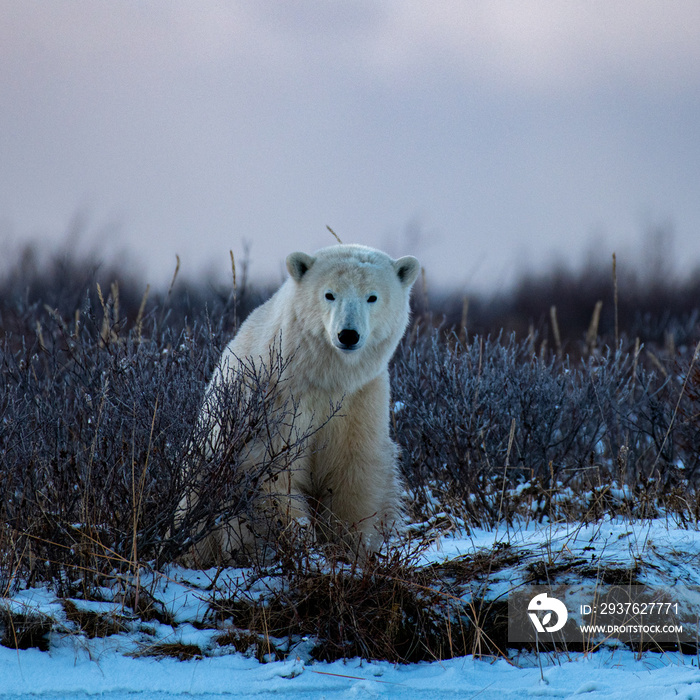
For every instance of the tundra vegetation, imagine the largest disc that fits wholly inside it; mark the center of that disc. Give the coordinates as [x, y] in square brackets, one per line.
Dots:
[573, 398]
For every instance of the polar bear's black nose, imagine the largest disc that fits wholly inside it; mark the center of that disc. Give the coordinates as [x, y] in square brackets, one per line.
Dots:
[348, 337]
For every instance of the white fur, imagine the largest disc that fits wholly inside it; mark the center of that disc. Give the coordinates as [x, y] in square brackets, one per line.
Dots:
[347, 479]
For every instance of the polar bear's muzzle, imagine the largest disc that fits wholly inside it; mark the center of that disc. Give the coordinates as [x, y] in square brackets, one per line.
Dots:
[348, 325]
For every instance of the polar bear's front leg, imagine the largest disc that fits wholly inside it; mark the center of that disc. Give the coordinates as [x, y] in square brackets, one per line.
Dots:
[357, 478]
[359, 503]
[280, 514]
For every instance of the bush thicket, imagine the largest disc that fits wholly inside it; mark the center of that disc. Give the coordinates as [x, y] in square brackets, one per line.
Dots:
[101, 387]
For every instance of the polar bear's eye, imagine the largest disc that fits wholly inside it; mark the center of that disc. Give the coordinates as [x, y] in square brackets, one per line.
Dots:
[372, 298]
[330, 296]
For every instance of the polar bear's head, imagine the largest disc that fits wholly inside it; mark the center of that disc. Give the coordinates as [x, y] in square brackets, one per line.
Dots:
[357, 296]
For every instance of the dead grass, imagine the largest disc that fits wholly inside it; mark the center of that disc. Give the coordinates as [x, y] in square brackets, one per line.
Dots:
[25, 631]
[91, 623]
[170, 650]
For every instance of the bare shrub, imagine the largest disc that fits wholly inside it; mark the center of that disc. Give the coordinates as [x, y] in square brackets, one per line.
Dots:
[100, 442]
[91, 444]
[478, 421]
[246, 438]
[687, 417]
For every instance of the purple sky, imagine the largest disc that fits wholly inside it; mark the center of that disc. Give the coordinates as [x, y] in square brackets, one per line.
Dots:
[484, 137]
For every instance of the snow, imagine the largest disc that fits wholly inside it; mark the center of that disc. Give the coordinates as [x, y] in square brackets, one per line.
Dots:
[78, 667]
[69, 671]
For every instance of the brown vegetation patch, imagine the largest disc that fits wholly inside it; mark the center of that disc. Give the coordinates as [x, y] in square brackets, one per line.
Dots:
[25, 631]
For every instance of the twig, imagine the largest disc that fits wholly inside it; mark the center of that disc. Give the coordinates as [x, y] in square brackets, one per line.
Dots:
[678, 403]
[337, 238]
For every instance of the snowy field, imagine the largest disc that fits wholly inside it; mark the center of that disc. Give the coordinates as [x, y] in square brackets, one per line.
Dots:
[71, 672]
[119, 665]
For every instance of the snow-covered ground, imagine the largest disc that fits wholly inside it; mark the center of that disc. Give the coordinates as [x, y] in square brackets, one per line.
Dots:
[75, 666]
[68, 671]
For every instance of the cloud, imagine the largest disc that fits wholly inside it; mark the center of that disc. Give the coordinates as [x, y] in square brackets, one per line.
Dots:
[534, 45]
[541, 45]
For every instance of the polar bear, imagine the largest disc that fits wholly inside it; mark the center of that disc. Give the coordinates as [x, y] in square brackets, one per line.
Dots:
[336, 321]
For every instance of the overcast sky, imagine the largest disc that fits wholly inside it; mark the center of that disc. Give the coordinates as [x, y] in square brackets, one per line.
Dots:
[484, 137]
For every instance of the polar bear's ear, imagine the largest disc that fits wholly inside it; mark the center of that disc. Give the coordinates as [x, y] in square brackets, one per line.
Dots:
[299, 264]
[407, 269]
